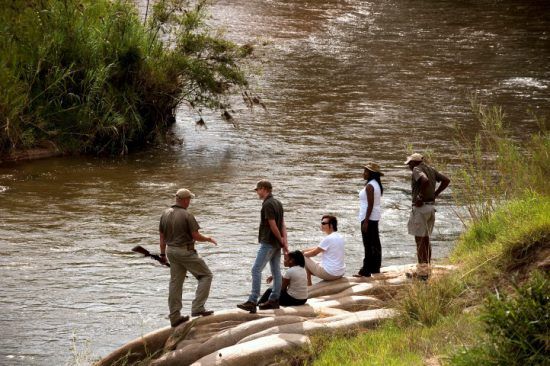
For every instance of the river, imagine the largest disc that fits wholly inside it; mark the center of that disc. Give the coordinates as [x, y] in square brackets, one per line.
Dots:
[344, 82]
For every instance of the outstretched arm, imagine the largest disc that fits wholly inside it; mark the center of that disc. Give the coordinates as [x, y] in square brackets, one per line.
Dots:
[199, 237]
[312, 252]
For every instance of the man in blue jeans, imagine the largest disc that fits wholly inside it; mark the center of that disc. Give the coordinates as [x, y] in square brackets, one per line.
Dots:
[272, 237]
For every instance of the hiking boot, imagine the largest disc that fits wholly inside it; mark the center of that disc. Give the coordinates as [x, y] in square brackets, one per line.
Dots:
[203, 313]
[269, 304]
[180, 320]
[248, 306]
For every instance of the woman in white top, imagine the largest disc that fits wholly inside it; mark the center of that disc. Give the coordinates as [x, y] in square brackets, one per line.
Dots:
[332, 266]
[369, 215]
[294, 285]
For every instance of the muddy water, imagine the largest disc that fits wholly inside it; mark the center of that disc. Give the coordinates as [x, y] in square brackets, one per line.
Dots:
[343, 81]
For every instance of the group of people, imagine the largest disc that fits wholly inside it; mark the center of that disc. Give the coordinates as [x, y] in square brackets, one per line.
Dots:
[179, 231]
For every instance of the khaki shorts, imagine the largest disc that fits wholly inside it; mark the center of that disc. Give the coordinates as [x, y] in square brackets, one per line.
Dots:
[318, 271]
[421, 221]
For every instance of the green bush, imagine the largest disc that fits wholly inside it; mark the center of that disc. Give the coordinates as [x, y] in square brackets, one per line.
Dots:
[517, 326]
[89, 76]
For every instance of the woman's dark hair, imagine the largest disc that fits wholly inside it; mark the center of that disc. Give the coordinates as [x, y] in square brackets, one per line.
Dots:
[332, 221]
[298, 258]
[376, 176]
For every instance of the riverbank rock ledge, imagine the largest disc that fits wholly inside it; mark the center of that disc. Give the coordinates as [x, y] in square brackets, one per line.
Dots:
[235, 337]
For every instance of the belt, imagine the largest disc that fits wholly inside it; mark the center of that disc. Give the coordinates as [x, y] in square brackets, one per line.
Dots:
[425, 203]
[186, 246]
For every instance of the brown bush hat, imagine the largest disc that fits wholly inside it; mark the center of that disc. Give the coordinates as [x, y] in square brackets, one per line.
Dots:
[414, 157]
[373, 167]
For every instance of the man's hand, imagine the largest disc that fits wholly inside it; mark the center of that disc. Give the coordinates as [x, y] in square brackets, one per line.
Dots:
[163, 259]
[284, 245]
[269, 279]
[212, 240]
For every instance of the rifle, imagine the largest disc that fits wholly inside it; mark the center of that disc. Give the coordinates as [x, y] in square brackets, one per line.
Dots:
[145, 252]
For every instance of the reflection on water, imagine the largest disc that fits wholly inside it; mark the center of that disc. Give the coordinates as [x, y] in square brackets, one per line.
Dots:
[346, 81]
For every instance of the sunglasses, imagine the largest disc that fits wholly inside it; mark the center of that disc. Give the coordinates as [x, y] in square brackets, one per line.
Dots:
[324, 223]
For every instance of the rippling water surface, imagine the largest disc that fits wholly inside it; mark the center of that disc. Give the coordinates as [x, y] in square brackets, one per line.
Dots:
[344, 82]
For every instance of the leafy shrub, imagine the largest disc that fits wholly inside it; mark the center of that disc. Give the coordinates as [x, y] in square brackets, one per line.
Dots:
[517, 327]
[89, 76]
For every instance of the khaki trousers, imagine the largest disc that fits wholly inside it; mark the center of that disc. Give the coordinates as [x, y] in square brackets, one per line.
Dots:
[183, 260]
[317, 270]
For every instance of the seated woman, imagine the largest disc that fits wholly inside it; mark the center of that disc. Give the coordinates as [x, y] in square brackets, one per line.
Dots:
[294, 286]
[332, 266]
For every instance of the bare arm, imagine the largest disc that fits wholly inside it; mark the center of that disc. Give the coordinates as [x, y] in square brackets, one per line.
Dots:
[313, 252]
[370, 200]
[444, 183]
[285, 284]
[162, 247]
[199, 237]
[278, 235]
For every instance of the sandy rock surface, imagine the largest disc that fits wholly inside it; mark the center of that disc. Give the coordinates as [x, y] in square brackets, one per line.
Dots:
[235, 337]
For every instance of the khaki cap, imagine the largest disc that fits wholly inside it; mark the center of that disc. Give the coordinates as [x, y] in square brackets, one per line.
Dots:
[184, 193]
[373, 167]
[414, 157]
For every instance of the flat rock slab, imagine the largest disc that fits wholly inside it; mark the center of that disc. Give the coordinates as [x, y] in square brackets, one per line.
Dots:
[237, 338]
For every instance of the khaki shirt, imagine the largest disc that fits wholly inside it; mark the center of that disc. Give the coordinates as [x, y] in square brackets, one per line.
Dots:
[177, 225]
[431, 174]
[272, 209]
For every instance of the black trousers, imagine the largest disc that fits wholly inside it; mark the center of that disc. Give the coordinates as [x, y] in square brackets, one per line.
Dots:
[284, 300]
[373, 249]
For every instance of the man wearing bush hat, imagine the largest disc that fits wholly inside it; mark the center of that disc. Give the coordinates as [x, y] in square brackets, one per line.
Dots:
[421, 222]
[179, 230]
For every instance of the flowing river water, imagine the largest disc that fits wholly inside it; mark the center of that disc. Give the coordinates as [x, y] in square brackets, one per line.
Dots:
[344, 82]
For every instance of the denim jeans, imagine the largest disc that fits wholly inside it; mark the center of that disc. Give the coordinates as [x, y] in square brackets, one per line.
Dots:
[266, 253]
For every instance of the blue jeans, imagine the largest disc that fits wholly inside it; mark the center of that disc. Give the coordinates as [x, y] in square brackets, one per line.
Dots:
[266, 253]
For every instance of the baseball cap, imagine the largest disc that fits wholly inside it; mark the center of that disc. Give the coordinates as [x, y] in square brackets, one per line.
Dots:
[184, 193]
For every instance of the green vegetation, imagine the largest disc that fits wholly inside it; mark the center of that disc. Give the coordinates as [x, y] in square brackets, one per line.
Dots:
[493, 310]
[517, 325]
[87, 76]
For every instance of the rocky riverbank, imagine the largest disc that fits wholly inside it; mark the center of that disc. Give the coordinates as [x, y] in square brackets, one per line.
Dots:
[235, 337]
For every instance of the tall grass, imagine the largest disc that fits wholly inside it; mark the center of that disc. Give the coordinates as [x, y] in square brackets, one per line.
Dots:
[88, 76]
[495, 167]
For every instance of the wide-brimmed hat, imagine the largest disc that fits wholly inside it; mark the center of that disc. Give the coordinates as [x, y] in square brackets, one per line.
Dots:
[373, 167]
[264, 183]
[414, 157]
[184, 193]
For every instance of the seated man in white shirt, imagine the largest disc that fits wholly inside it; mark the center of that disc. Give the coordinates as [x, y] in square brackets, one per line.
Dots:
[332, 266]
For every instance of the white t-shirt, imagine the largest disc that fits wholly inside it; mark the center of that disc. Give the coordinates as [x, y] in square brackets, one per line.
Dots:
[298, 282]
[376, 213]
[333, 255]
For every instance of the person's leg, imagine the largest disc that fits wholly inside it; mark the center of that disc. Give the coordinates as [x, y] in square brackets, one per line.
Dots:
[310, 264]
[364, 271]
[178, 272]
[262, 257]
[375, 247]
[275, 266]
[286, 300]
[202, 273]
[265, 296]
